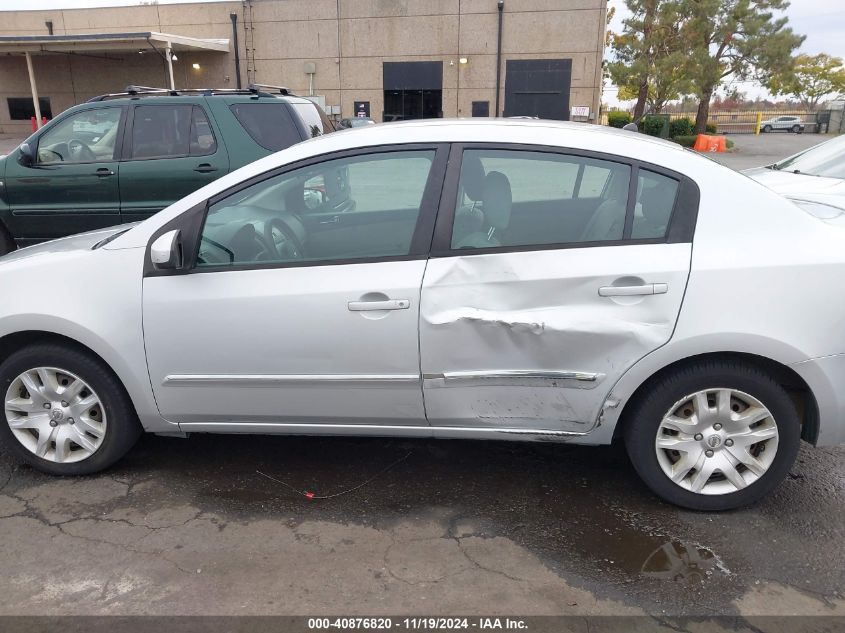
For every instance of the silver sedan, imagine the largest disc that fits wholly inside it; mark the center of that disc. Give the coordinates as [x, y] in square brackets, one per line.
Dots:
[516, 280]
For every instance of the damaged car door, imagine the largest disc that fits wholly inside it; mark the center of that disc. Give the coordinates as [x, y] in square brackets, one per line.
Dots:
[552, 272]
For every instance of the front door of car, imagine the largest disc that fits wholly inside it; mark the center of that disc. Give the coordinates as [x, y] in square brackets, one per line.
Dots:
[274, 321]
[72, 185]
[551, 275]
[170, 150]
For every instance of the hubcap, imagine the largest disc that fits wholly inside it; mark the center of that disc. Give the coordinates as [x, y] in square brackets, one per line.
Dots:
[716, 441]
[55, 414]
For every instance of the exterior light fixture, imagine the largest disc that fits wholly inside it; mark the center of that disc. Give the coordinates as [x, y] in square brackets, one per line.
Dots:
[463, 61]
[195, 66]
[174, 57]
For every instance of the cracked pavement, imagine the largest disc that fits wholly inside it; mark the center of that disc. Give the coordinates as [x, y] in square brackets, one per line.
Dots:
[189, 527]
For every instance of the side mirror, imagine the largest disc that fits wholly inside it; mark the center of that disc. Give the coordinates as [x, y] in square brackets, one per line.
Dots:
[26, 156]
[631, 127]
[166, 251]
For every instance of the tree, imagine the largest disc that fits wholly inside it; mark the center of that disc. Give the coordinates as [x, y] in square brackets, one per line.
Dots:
[810, 79]
[734, 38]
[650, 55]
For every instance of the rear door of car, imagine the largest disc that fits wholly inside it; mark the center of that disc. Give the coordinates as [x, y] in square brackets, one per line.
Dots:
[535, 301]
[171, 148]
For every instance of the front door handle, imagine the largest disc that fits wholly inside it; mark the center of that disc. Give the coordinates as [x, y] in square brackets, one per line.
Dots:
[102, 172]
[387, 304]
[205, 168]
[630, 291]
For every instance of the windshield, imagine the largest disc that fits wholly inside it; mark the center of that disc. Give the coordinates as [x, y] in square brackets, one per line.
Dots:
[827, 159]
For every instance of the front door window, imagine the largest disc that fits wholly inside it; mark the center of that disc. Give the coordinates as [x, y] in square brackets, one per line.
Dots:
[86, 137]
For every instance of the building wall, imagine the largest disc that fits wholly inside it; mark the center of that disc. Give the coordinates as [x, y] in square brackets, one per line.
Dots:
[348, 40]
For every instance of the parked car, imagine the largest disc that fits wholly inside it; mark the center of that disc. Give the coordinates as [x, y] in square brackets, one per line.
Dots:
[358, 121]
[123, 157]
[814, 175]
[783, 124]
[518, 280]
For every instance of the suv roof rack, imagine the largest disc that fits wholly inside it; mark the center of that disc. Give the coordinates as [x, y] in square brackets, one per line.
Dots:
[256, 90]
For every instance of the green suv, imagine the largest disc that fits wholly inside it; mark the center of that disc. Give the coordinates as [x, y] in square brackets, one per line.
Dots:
[123, 157]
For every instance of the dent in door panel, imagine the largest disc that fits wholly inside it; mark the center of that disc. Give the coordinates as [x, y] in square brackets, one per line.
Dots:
[511, 313]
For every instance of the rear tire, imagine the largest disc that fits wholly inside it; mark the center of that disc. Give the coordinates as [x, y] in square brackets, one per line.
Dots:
[715, 460]
[797, 129]
[767, 128]
[64, 412]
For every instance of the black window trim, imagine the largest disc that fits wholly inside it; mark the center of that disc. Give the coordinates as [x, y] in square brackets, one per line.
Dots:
[191, 222]
[118, 141]
[126, 152]
[681, 227]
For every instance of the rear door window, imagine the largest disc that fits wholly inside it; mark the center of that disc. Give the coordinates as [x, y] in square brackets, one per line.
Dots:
[161, 131]
[268, 124]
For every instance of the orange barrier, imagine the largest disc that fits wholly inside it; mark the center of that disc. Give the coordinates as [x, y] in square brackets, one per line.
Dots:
[35, 125]
[705, 143]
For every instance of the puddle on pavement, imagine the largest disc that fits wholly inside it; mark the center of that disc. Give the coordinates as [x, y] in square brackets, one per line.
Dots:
[682, 562]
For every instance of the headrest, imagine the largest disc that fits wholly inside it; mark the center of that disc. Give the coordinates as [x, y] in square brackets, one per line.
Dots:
[472, 177]
[497, 200]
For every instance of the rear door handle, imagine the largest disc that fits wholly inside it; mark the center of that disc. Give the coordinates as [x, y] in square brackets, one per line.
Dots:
[102, 172]
[205, 168]
[388, 304]
[630, 291]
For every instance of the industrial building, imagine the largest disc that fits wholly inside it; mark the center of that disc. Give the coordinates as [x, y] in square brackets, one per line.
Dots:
[389, 59]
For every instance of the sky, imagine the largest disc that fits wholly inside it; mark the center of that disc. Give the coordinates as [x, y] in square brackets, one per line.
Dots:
[822, 21]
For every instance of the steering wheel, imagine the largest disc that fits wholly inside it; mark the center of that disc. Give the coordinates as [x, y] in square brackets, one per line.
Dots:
[79, 151]
[280, 242]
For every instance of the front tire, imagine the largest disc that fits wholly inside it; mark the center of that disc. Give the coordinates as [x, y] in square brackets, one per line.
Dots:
[64, 411]
[767, 128]
[716, 435]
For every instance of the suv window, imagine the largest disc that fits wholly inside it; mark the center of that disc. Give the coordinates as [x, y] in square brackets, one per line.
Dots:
[342, 209]
[203, 142]
[269, 124]
[84, 137]
[316, 121]
[521, 198]
[171, 131]
[656, 196]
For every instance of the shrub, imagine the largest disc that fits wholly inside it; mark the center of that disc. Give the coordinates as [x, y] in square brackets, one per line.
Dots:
[711, 128]
[618, 119]
[681, 127]
[687, 140]
[652, 125]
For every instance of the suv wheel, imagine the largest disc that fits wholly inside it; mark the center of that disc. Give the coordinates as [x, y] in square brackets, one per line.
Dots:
[64, 411]
[767, 128]
[713, 436]
[796, 129]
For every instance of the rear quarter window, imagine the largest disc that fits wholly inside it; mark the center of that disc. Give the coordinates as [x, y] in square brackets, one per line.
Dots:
[268, 124]
[315, 120]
